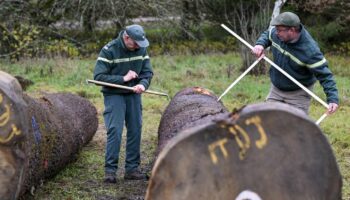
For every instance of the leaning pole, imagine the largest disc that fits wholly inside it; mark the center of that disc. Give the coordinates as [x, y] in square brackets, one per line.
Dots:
[266, 151]
[39, 136]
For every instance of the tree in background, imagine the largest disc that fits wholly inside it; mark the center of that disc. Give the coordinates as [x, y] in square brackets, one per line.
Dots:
[247, 18]
[191, 19]
[28, 25]
[34, 28]
[327, 20]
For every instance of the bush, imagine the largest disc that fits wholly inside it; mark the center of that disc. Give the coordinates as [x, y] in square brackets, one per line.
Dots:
[194, 47]
[343, 48]
[19, 41]
[61, 48]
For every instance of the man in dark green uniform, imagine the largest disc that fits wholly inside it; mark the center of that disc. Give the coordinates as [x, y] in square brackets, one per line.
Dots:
[124, 61]
[296, 52]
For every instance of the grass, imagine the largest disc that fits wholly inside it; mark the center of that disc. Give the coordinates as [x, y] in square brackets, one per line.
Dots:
[82, 179]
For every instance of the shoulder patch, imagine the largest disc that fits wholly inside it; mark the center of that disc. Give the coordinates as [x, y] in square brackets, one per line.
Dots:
[111, 43]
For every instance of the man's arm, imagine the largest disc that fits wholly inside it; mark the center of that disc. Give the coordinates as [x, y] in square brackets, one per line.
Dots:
[325, 77]
[262, 43]
[146, 73]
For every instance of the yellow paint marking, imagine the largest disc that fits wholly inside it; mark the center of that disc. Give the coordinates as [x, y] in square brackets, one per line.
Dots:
[14, 132]
[222, 125]
[4, 118]
[212, 146]
[263, 138]
[241, 137]
[245, 136]
[243, 146]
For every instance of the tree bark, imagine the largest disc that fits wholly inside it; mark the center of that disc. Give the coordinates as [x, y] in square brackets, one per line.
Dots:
[189, 107]
[277, 9]
[268, 150]
[39, 136]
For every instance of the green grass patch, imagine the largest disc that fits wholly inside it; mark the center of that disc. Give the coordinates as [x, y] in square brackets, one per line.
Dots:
[82, 179]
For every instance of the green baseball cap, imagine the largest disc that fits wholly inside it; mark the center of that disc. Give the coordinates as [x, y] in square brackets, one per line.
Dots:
[286, 19]
[137, 33]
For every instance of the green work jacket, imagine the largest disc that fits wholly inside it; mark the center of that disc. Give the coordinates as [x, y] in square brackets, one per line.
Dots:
[114, 62]
[302, 60]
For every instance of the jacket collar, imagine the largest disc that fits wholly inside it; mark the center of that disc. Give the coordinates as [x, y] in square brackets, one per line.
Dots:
[121, 40]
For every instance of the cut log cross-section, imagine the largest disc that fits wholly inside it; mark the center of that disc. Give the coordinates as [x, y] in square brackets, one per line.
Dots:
[263, 151]
[38, 137]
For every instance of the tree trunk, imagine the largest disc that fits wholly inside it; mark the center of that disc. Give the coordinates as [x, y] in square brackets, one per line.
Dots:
[189, 107]
[251, 20]
[263, 151]
[277, 9]
[39, 136]
[191, 20]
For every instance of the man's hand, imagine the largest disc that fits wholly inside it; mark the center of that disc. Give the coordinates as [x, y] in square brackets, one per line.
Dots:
[130, 75]
[258, 50]
[139, 88]
[332, 107]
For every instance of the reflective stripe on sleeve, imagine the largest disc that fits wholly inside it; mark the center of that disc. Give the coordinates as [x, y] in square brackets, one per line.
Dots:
[296, 60]
[120, 60]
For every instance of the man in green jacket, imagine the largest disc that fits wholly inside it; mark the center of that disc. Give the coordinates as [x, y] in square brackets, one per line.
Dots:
[124, 61]
[296, 52]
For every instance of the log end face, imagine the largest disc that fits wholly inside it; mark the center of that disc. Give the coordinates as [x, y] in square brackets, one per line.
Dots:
[12, 134]
[11, 172]
[273, 152]
[11, 119]
[10, 83]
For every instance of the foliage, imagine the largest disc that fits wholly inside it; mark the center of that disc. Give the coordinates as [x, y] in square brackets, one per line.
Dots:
[61, 48]
[193, 47]
[327, 20]
[79, 24]
[343, 48]
[247, 18]
[19, 41]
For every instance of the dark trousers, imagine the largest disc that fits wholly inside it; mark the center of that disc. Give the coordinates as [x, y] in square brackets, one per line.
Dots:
[120, 108]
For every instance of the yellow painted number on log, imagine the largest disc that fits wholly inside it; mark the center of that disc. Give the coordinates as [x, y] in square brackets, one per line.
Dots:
[14, 132]
[4, 118]
[243, 146]
[241, 137]
[212, 147]
[263, 138]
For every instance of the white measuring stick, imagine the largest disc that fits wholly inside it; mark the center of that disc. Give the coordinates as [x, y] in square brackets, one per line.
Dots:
[240, 77]
[101, 83]
[278, 68]
[321, 118]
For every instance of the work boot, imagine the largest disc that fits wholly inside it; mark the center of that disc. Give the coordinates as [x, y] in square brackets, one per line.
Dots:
[136, 175]
[110, 178]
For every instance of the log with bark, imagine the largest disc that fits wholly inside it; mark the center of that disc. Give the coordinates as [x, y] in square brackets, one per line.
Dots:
[189, 107]
[39, 136]
[263, 151]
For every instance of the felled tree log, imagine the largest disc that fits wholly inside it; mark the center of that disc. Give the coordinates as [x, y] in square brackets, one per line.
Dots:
[264, 151]
[39, 137]
[189, 107]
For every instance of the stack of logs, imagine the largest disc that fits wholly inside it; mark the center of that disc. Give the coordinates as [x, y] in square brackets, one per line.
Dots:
[268, 151]
[38, 137]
